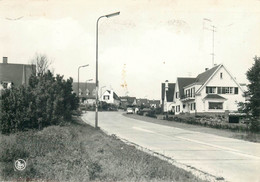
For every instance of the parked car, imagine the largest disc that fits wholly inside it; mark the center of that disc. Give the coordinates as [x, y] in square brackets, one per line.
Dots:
[129, 110]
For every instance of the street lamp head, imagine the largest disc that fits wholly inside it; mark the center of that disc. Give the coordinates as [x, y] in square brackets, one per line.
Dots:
[85, 65]
[113, 14]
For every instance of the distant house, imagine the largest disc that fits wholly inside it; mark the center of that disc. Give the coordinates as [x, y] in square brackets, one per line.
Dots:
[213, 91]
[15, 74]
[167, 96]
[154, 103]
[127, 101]
[87, 92]
[142, 103]
[110, 97]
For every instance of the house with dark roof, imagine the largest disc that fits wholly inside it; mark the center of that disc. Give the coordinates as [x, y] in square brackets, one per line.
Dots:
[127, 101]
[86, 93]
[167, 96]
[213, 91]
[15, 74]
[154, 103]
[110, 97]
[142, 102]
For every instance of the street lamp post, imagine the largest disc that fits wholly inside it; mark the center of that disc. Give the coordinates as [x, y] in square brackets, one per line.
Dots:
[78, 75]
[107, 16]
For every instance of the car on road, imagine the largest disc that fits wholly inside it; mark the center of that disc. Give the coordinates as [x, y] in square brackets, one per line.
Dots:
[129, 110]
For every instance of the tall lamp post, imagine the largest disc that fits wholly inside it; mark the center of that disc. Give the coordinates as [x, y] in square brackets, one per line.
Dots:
[78, 75]
[107, 16]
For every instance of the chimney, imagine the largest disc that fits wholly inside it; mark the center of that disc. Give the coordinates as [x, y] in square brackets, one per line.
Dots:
[5, 60]
[166, 85]
[206, 69]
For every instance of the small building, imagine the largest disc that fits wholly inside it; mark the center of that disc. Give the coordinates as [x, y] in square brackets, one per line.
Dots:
[110, 97]
[127, 101]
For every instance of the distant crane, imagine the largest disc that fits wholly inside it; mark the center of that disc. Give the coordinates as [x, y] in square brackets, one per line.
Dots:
[124, 84]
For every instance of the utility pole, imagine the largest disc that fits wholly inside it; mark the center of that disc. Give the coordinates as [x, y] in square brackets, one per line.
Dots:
[213, 29]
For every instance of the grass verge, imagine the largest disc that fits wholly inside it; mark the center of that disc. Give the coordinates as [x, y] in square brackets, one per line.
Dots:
[77, 152]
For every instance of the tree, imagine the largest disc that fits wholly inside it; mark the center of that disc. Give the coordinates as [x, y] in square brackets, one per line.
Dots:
[253, 75]
[48, 100]
[42, 64]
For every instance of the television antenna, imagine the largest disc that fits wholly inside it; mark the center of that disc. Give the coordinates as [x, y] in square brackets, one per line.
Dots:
[213, 29]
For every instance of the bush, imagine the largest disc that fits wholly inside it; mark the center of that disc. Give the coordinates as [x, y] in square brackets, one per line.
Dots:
[47, 100]
[254, 125]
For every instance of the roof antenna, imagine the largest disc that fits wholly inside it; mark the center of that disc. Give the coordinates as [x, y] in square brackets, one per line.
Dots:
[213, 29]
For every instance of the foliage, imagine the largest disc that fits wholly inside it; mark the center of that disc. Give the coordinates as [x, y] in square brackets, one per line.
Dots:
[253, 75]
[48, 100]
[76, 152]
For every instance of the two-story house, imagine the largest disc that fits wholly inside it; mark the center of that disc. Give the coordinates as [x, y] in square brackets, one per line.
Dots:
[213, 91]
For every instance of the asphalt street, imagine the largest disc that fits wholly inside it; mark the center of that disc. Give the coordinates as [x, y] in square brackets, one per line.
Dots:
[234, 160]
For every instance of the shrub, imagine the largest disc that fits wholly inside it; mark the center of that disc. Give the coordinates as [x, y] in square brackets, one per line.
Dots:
[47, 100]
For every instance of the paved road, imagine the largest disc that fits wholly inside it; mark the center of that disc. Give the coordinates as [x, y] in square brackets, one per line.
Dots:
[234, 160]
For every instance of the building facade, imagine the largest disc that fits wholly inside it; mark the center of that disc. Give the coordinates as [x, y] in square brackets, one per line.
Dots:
[213, 91]
[110, 97]
[15, 74]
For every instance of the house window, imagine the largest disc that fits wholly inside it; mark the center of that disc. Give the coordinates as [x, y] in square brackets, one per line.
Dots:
[216, 105]
[210, 90]
[228, 90]
[106, 97]
[236, 90]
[177, 95]
[221, 75]
[178, 108]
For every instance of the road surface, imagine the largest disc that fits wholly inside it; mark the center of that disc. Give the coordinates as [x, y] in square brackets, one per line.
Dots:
[234, 160]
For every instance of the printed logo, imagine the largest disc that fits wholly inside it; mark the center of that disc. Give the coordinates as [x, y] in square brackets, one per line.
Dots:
[20, 164]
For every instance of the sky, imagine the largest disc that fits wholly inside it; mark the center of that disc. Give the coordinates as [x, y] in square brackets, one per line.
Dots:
[150, 41]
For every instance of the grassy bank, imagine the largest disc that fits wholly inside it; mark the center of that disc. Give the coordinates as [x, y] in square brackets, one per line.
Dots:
[77, 152]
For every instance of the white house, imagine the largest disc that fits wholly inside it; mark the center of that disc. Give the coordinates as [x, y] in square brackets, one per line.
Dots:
[110, 97]
[213, 91]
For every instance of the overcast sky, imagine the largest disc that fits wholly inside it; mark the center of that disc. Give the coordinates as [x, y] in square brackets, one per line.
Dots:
[157, 40]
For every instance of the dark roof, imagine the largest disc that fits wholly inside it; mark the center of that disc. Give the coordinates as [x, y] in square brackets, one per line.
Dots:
[203, 77]
[157, 102]
[169, 93]
[129, 99]
[214, 96]
[139, 102]
[16, 73]
[115, 96]
[83, 86]
[182, 82]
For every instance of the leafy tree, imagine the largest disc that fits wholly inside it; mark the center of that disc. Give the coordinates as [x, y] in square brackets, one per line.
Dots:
[253, 75]
[48, 100]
